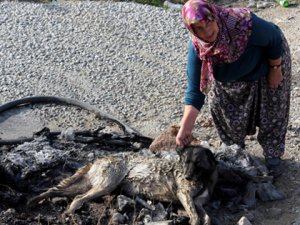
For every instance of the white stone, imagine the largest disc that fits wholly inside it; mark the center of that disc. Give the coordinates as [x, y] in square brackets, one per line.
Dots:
[244, 221]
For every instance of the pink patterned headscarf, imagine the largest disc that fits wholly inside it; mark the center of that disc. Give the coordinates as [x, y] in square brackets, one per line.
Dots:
[235, 26]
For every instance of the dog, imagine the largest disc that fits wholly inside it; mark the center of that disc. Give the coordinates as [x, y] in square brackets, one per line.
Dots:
[189, 181]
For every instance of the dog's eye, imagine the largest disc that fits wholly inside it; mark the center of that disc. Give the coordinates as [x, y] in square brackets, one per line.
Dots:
[200, 165]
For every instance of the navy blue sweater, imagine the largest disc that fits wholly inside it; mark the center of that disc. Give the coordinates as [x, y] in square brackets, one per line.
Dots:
[265, 42]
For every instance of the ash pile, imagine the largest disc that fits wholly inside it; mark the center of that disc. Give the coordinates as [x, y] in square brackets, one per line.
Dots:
[29, 166]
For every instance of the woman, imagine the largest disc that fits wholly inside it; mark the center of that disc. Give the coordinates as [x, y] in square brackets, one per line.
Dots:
[243, 64]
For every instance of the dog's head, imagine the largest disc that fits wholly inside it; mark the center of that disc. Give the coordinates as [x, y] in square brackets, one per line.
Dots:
[198, 162]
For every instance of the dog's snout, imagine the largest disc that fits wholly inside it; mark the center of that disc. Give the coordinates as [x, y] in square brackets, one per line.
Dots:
[188, 173]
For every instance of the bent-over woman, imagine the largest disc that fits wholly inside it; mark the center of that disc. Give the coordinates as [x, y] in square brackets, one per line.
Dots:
[242, 63]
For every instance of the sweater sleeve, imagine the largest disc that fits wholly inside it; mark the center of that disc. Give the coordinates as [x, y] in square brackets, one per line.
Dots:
[266, 35]
[193, 95]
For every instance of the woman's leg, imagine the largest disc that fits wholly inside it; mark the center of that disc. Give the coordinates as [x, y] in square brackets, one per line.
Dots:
[233, 107]
[274, 111]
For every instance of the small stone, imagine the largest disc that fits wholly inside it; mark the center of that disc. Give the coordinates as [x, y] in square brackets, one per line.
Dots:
[9, 211]
[250, 216]
[251, 4]
[166, 222]
[117, 218]
[124, 203]
[263, 5]
[274, 212]
[159, 213]
[291, 18]
[68, 134]
[172, 5]
[244, 221]
[91, 156]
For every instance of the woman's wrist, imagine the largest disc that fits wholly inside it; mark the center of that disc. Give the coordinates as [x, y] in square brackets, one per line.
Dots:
[275, 67]
[275, 64]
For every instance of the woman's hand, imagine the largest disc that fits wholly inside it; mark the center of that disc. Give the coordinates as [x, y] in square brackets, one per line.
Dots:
[184, 136]
[274, 77]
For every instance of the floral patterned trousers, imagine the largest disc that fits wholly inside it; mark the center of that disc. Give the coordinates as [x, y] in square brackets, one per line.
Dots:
[238, 107]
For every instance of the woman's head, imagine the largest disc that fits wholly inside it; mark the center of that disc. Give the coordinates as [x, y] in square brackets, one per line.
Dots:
[206, 30]
[217, 31]
[201, 20]
[219, 34]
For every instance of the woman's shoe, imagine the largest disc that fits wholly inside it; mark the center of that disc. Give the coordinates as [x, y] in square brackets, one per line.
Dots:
[274, 166]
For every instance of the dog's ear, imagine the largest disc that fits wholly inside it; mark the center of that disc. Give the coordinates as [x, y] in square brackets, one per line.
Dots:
[210, 156]
[180, 151]
[208, 161]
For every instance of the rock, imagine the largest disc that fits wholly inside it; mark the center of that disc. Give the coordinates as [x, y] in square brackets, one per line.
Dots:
[91, 156]
[145, 204]
[251, 4]
[250, 215]
[68, 134]
[297, 55]
[263, 4]
[244, 221]
[9, 212]
[117, 218]
[166, 222]
[159, 213]
[172, 5]
[274, 213]
[297, 122]
[145, 216]
[124, 203]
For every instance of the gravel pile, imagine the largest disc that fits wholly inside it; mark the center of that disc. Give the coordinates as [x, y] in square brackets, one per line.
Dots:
[127, 59]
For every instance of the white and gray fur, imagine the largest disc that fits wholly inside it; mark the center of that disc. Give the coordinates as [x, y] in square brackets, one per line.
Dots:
[189, 182]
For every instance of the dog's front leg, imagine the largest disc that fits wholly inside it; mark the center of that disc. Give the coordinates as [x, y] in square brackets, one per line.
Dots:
[189, 206]
[199, 202]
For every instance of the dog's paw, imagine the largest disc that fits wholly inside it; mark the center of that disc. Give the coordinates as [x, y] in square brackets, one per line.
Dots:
[206, 220]
[195, 221]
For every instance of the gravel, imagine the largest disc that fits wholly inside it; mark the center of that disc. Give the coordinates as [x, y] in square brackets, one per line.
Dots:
[128, 59]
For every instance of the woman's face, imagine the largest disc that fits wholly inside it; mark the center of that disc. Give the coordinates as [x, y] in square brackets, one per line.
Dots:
[206, 30]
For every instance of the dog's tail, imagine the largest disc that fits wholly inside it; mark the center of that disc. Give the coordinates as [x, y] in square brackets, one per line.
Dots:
[71, 186]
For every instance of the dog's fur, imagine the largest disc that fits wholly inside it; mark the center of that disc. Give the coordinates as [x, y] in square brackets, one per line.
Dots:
[166, 141]
[189, 181]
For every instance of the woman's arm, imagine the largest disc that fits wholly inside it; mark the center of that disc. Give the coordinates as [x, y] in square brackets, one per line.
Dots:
[194, 99]
[184, 136]
[268, 36]
[193, 95]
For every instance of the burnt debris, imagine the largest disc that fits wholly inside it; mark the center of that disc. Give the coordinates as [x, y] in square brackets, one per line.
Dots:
[31, 165]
